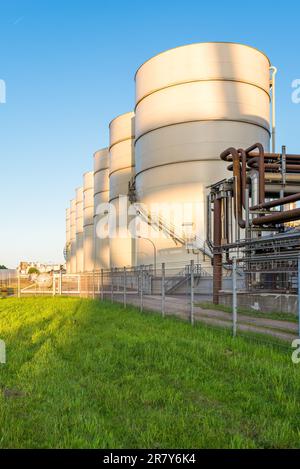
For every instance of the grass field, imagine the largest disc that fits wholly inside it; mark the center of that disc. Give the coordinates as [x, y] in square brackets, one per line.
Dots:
[85, 374]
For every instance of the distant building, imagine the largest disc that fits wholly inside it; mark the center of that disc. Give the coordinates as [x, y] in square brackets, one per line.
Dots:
[24, 267]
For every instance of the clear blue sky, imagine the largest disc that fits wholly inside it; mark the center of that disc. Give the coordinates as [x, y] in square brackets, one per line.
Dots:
[69, 67]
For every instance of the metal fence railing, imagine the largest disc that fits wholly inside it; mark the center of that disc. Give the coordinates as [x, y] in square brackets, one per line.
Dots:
[250, 301]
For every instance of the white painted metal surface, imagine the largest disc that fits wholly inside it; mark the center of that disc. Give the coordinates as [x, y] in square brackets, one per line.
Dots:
[68, 238]
[88, 221]
[73, 236]
[79, 229]
[121, 170]
[192, 102]
[101, 198]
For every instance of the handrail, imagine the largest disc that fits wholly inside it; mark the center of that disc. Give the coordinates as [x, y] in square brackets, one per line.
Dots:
[169, 228]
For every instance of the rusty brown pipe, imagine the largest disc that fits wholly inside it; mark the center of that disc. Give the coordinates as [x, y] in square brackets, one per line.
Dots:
[278, 217]
[232, 155]
[261, 169]
[275, 166]
[244, 173]
[275, 203]
[274, 156]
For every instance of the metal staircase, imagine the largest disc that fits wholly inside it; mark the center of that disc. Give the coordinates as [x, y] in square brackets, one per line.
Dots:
[191, 243]
[183, 276]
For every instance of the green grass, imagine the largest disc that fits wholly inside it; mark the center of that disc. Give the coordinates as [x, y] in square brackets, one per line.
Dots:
[85, 374]
[250, 312]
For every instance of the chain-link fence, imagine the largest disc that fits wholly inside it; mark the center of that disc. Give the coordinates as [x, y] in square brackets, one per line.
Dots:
[250, 300]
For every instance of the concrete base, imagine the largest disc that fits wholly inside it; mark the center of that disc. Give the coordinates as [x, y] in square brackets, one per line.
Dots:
[264, 302]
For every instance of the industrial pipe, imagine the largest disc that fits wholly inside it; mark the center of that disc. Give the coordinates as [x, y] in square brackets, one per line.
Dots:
[261, 169]
[275, 203]
[278, 217]
[273, 82]
[217, 260]
[231, 154]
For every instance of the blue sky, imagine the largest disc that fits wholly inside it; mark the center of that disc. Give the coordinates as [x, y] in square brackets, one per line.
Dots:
[69, 69]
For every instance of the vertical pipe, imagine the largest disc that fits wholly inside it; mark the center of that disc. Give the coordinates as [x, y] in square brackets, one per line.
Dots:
[192, 292]
[234, 297]
[124, 280]
[163, 293]
[230, 227]
[217, 260]
[283, 174]
[273, 81]
[247, 211]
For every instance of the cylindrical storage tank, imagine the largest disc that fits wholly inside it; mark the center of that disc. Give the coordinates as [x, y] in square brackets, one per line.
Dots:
[121, 171]
[68, 239]
[192, 102]
[88, 221]
[101, 199]
[79, 229]
[73, 236]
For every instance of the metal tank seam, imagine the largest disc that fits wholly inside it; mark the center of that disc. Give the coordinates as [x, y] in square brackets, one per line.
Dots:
[120, 169]
[175, 162]
[202, 120]
[171, 85]
[120, 141]
[99, 170]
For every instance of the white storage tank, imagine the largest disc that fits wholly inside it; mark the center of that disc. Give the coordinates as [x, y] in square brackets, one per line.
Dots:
[79, 229]
[101, 199]
[192, 102]
[121, 171]
[88, 221]
[73, 236]
[68, 239]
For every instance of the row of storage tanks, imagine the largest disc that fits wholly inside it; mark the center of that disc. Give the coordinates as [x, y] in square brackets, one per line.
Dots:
[192, 102]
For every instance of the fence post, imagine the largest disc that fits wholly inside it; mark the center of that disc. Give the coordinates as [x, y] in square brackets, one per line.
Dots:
[111, 285]
[192, 293]
[141, 289]
[125, 286]
[19, 285]
[163, 292]
[299, 296]
[93, 280]
[60, 282]
[53, 285]
[234, 298]
[102, 285]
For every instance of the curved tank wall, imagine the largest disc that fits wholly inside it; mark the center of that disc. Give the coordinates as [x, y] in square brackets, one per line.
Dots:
[88, 221]
[68, 238]
[121, 171]
[73, 236]
[192, 102]
[79, 229]
[101, 199]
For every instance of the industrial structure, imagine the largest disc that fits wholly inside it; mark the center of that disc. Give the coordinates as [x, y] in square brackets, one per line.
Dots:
[161, 193]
